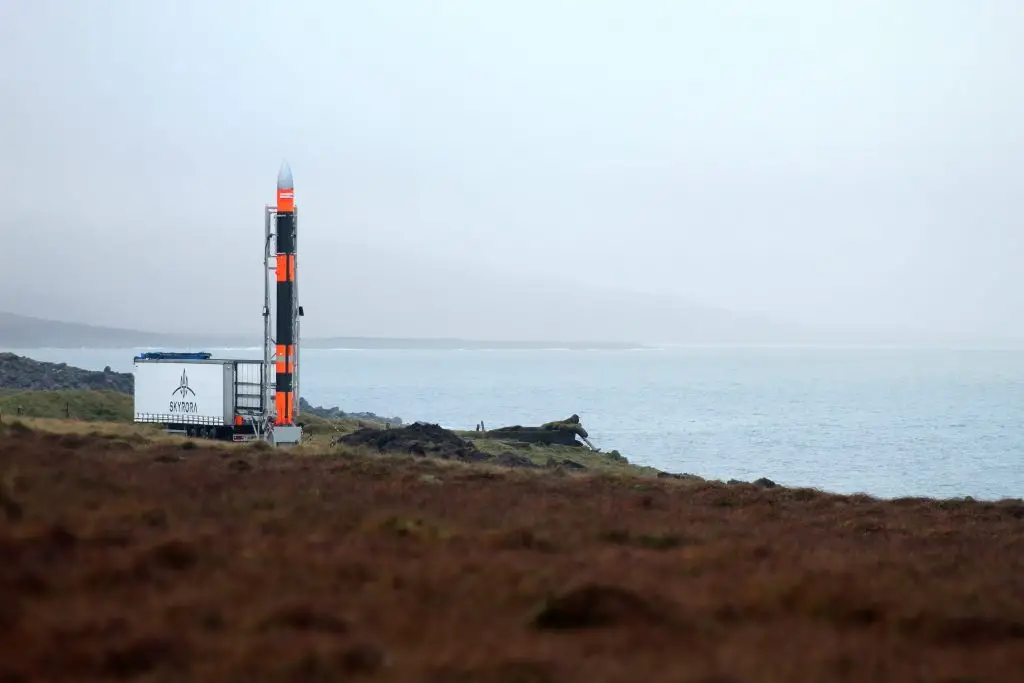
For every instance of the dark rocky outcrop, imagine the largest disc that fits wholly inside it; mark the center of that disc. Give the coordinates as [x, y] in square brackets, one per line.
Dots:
[419, 439]
[431, 440]
[571, 424]
[537, 435]
[335, 413]
[556, 433]
[25, 374]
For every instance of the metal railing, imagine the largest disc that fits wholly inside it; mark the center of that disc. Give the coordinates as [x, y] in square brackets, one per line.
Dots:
[159, 418]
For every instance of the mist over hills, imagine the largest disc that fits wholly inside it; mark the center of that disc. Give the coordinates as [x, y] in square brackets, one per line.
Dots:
[358, 296]
[25, 332]
[182, 296]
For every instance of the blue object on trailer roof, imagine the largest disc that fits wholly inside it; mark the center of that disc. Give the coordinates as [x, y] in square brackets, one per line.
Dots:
[174, 355]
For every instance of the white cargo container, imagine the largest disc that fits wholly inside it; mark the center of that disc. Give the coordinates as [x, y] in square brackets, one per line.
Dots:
[199, 395]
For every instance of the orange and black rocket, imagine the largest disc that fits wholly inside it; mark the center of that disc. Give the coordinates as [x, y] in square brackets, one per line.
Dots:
[285, 398]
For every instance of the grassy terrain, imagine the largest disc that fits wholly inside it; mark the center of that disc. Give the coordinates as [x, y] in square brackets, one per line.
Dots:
[540, 455]
[108, 406]
[129, 558]
[115, 407]
[115, 410]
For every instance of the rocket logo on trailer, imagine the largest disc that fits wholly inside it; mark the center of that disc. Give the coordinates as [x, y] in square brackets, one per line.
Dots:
[184, 406]
[183, 386]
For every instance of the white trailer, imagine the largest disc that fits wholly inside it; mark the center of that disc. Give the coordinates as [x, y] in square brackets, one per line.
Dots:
[195, 394]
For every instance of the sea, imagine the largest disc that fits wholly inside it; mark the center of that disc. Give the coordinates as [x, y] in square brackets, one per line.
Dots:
[888, 422]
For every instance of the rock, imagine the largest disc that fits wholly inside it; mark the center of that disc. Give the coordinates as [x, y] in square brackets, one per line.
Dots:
[570, 424]
[765, 483]
[559, 432]
[27, 374]
[335, 413]
[548, 437]
[418, 439]
[428, 440]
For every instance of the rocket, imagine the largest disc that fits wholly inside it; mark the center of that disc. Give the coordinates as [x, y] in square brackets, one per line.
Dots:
[286, 318]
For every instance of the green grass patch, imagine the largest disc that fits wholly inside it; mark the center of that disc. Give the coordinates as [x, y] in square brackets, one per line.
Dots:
[544, 455]
[87, 405]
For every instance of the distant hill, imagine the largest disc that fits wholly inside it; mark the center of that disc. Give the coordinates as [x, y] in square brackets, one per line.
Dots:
[359, 295]
[452, 343]
[391, 296]
[24, 332]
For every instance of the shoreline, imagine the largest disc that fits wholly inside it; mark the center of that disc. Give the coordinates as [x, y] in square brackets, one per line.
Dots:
[141, 440]
[106, 409]
[554, 461]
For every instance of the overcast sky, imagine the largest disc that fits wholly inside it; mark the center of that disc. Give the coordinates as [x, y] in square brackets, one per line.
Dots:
[822, 162]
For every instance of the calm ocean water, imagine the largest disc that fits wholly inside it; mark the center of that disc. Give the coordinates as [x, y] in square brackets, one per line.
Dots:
[888, 422]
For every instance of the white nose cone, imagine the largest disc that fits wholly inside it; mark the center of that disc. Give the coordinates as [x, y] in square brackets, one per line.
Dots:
[284, 177]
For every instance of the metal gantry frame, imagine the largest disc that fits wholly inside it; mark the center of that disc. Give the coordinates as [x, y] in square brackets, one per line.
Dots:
[269, 348]
[296, 317]
[269, 343]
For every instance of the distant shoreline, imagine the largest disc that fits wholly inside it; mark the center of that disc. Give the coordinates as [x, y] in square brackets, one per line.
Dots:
[434, 345]
[24, 332]
[29, 333]
[342, 345]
